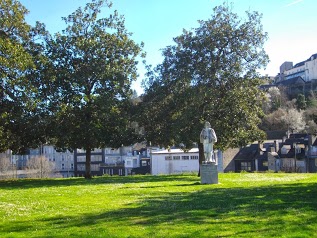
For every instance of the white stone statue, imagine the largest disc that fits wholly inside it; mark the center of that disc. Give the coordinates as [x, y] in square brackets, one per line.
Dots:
[208, 138]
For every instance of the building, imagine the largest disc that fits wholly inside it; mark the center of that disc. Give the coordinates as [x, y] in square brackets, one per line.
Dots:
[62, 161]
[97, 158]
[174, 161]
[121, 161]
[312, 154]
[298, 153]
[298, 78]
[306, 69]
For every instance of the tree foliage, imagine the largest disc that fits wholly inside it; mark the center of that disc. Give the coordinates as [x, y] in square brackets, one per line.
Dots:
[294, 120]
[94, 63]
[208, 75]
[18, 61]
[274, 121]
[301, 103]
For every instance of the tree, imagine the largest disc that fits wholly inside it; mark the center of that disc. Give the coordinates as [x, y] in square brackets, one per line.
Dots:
[275, 98]
[14, 61]
[301, 103]
[208, 75]
[274, 121]
[94, 63]
[294, 120]
[311, 127]
[39, 167]
[5, 165]
[312, 100]
[20, 61]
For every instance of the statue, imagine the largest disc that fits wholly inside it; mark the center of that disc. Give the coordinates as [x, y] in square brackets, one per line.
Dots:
[208, 138]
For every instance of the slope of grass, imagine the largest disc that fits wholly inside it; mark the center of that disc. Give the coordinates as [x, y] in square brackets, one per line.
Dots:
[241, 205]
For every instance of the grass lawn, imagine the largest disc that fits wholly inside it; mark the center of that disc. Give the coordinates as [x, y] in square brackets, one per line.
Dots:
[241, 205]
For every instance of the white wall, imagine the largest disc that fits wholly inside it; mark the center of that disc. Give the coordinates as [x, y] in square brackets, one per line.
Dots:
[308, 71]
[160, 165]
[311, 69]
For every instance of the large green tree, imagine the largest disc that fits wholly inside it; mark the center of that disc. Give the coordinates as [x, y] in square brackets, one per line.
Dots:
[19, 57]
[94, 61]
[209, 74]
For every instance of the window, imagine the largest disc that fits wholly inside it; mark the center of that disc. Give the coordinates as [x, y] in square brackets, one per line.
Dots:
[185, 157]
[246, 166]
[63, 166]
[81, 158]
[194, 157]
[96, 158]
[144, 163]
[94, 167]
[81, 167]
[128, 162]
[168, 157]
[176, 157]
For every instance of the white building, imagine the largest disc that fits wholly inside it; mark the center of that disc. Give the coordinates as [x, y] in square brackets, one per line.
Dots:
[307, 70]
[174, 161]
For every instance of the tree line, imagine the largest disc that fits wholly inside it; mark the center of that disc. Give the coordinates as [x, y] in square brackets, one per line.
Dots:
[72, 89]
[290, 113]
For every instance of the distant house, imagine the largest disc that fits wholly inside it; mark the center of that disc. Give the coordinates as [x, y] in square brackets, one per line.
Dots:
[97, 157]
[312, 154]
[111, 161]
[252, 158]
[293, 153]
[298, 153]
[174, 161]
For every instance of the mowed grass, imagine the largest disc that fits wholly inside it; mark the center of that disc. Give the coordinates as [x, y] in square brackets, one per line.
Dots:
[241, 205]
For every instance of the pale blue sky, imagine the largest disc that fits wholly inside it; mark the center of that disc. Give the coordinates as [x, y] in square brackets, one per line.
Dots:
[291, 24]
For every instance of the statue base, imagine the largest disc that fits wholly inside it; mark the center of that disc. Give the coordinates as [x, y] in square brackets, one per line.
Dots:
[208, 173]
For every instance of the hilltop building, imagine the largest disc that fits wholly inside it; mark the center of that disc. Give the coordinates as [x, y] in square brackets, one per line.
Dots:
[298, 78]
[306, 69]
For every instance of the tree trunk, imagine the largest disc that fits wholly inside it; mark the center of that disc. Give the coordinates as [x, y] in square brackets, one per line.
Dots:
[88, 167]
[201, 155]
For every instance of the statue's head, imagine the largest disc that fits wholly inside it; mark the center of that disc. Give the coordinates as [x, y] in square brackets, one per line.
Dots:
[207, 124]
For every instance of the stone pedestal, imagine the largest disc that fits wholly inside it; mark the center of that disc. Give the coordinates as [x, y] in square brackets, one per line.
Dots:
[208, 173]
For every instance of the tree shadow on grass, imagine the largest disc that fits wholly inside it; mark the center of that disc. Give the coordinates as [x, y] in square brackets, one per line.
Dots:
[266, 211]
[37, 183]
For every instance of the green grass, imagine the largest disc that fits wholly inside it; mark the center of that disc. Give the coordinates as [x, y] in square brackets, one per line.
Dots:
[241, 205]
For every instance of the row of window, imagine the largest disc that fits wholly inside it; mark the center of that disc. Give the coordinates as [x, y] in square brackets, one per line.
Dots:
[94, 158]
[183, 157]
[93, 167]
[66, 167]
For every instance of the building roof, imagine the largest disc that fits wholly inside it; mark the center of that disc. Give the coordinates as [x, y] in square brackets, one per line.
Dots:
[291, 81]
[176, 151]
[312, 57]
[247, 153]
[299, 64]
[266, 86]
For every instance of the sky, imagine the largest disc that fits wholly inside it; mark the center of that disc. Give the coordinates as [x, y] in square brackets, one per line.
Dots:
[290, 24]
